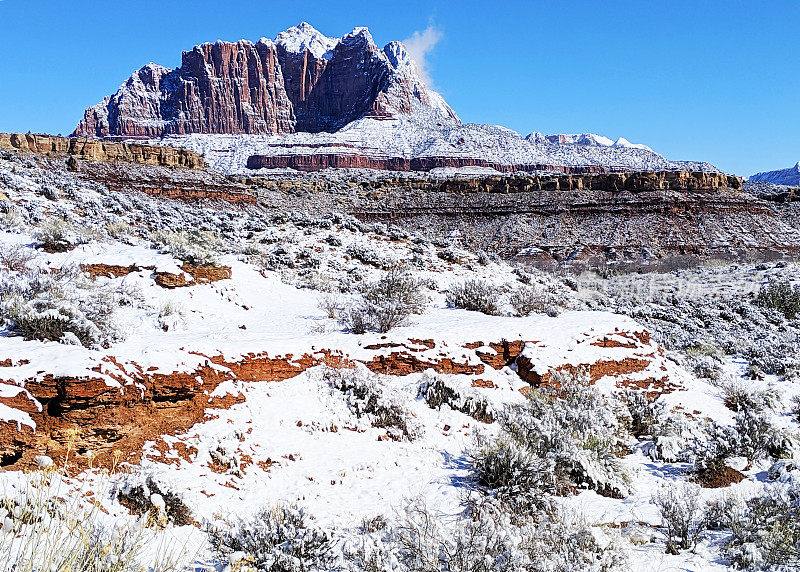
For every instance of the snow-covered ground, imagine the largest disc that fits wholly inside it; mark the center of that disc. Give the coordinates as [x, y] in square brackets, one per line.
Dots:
[348, 445]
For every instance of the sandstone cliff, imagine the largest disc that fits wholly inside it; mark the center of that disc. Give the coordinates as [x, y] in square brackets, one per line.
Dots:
[301, 81]
[94, 150]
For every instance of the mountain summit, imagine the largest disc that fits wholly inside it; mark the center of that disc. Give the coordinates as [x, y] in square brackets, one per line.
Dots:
[300, 81]
[789, 177]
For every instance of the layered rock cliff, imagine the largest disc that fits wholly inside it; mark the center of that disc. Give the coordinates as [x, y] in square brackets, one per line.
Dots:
[94, 150]
[301, 81]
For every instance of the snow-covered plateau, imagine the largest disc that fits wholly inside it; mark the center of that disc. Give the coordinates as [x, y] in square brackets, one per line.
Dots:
[206, 386]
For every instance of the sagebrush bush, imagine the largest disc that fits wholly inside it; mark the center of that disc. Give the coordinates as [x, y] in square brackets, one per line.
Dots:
[56, 235]
[275, 539]
[682, 516]
[386, 303]
[62, 306]
[527, 300]
[15, 257]
[437, 392]
[781, 296]
[764, 529]
[569, 432]
[474, 295]
[366, 398]
[195, 247]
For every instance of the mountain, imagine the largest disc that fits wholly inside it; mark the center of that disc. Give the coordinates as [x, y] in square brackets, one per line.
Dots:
[307, 102]
[301, 81]
[789, 177]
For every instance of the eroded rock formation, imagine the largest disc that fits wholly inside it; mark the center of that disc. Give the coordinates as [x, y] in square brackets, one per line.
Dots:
[94, 150]
[301, 81]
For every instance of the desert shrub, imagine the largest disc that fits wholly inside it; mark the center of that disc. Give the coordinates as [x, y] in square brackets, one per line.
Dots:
[56, 235]
[568, 432]
[527, 300]
[781, 296]
[682, 515]
[449, 254]
[61, 305]
[143, 496]
[386, 303]
[195, 247]
[436, 392]
[275, 539]
[170, 315]
[739, 396]
[44, 531]
[368, 256]
[366, 398]
[15, 257]
[487, 537]
[474, 295]
[764, 529]
[331, 305]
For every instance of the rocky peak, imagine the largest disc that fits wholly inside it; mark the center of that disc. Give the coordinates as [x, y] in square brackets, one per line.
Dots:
[302, 81]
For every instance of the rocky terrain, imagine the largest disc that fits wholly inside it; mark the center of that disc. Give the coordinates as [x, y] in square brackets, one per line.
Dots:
[307, 102]
[172, 354]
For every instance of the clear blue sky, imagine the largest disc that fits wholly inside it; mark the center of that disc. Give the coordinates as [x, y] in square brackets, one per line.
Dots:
[703, 80]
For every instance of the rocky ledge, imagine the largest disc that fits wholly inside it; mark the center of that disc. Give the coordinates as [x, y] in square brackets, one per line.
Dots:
[95, 150]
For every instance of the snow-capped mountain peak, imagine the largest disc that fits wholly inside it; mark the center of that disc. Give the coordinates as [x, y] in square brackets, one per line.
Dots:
[304, 36]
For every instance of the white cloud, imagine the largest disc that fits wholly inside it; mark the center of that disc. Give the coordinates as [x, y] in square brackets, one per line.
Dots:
[419, 45]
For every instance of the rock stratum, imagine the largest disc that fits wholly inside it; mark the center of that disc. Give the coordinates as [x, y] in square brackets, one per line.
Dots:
[95, 150]
[301, 81]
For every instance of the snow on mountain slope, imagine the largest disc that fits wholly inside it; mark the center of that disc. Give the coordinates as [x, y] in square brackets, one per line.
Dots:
[423, 134]
[788, 177]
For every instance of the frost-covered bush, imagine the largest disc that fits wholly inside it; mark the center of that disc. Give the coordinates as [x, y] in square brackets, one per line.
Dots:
[569, 432]
[56, 235]
[195, 247]
[15, 257]
[386, 303]
[764, 529]
[782, 296]
[682, 515]
[62, 306]
[739, 396]
[486, 538]
[368, 255]
[366, 398]
[437, 392]
[474, 295]
[275, 539]
[527, 300]
[144, 496]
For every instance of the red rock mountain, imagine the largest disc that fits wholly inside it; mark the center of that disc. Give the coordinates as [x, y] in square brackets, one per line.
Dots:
[301, 81]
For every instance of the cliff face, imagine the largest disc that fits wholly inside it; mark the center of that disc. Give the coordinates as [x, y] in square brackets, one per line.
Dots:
[93, 150]
[301, 81]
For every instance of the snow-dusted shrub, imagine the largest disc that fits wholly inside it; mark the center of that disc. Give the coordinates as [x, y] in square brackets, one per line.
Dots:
[474, 295]
[143, 496]
[486, 538]
[15, 257]
[275, 539]
[331, 305]
[368, 255]
[61, 305]
[41, 530]
[195, 247]
[782, 296]
[437, 392]
[764, 529]
[386, 303]
[682, 515]
[571, 430]
[56, 235]
[449, 254]
[527, 300]
[171, 315]
[366, 398]
[739, 396]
